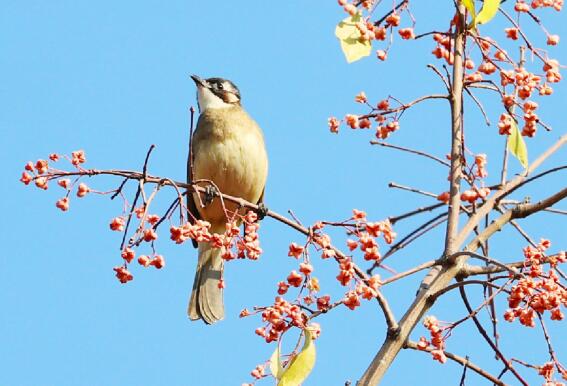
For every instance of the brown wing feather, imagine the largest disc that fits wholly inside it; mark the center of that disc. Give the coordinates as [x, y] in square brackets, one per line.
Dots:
[191, 206]
[261, 199]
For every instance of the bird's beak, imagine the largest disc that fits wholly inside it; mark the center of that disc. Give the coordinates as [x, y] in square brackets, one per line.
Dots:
[198, 81]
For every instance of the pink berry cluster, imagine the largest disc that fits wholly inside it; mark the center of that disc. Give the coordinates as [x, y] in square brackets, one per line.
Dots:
[524, 84]
[365, 234]
[283, 315]
[539, 291]
[547, 371]
[279, 318]
[517, 85]
[41, 172]
[247, 245]
[476, 172]
[522, 6]
[436, 344]
[145, 232]
[233, 244]
[385, 116]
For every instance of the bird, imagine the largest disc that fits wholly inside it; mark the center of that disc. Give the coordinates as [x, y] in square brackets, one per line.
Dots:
[228, 149]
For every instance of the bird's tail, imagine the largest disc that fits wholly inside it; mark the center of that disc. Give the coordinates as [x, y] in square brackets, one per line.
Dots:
[206, 300]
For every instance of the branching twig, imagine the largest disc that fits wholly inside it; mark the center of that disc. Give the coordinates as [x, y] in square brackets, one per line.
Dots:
[463, 361]
[484, 334]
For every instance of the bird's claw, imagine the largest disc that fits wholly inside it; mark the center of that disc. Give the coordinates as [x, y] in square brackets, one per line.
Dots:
[262, 211]
[210, 193]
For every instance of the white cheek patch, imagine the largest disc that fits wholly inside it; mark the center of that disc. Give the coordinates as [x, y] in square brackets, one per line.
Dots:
[208, 100]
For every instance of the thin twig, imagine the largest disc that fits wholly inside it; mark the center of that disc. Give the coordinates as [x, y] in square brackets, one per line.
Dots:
[410, 189]
[463, 361]
[479, 104]
[445, 81]
[418, 152]
[409, 272]
[488, 340]
[401, 4]
[395, 219]
[470, 270]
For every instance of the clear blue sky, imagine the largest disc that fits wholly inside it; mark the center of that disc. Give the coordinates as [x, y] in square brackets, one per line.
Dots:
[112, 77]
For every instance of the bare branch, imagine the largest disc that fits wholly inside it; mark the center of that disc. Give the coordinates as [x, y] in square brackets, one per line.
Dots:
[421, 153]
[488, 340]
[463, 361]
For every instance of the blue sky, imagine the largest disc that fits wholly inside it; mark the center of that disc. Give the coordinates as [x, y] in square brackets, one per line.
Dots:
[113, 78]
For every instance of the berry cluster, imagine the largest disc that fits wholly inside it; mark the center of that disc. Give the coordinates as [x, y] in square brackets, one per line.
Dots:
[476, 172]
[41, 173]
[522, 6]
[539, 291]
[437, 340]
[233, 244]
[280, 317]
[247, 246]
[547, 371]
[385, 116]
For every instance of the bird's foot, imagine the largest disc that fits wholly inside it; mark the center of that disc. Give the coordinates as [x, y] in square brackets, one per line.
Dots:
[210, 193]
[262, 211]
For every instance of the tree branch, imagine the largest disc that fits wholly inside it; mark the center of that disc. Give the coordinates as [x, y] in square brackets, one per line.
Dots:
[463, 361]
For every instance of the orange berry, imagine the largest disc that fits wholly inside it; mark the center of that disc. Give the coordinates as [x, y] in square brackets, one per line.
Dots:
[117, 224]
[382, 55]
[63, 204]
[82, 190]
[512, 33]
[128, 254]
[552, 40]
[393, 20]
[26, 178]
[158, 262]
[144, 260]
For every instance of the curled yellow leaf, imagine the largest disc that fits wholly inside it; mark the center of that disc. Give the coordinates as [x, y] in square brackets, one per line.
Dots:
[276, 363]
[469, 5]
[488, 11]
[301, 365]
[517, 145]
[349, 37]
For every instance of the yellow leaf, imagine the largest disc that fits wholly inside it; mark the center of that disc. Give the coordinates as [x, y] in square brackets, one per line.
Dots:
[517, 146]
[469, 5]
[349, 35]
[276, 364]
[488, 11]
[300, 366]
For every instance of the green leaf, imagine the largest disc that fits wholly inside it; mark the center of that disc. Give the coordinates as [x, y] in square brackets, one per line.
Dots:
[488, 11]
[300, 366]
[276, 364]
[349, 35]
[517, 146]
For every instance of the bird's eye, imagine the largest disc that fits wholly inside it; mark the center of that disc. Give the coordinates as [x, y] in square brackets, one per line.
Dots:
[220, 86]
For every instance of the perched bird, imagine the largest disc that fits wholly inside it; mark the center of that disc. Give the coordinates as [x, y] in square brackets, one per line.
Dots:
[228, 149]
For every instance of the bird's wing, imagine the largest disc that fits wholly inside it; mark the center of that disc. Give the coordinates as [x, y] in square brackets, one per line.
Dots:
[193, 212]
[191, 206]
[261, 199]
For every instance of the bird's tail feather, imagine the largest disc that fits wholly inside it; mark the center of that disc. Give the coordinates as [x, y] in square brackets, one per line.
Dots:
[206, 300]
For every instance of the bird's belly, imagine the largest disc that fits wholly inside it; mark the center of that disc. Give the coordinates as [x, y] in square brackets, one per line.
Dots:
[237, 166]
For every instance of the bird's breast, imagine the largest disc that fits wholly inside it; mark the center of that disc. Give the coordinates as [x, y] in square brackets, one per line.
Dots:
[233, 156]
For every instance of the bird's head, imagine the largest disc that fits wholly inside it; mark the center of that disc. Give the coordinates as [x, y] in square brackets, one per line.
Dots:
[216, 93]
